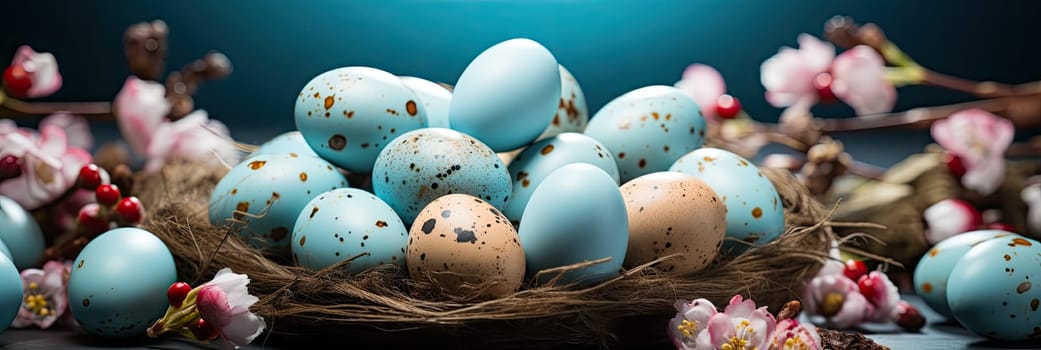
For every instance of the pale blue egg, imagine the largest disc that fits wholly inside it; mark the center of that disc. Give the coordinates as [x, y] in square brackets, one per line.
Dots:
[933, 270]
[21, 234]
[425, 164]
[576, 214]
[507, 95]
[346, 223]
[262, 197]
[572, 113]
[3, 250]
[10, 292]
[118, 283]
[992, 291]
[754, 210]
[530, 167]
[288, 142]
[349, 114]
[648, 129]
[435, 97]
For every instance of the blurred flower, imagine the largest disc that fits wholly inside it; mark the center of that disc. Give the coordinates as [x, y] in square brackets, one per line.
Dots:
[32, 74]
[45, 299]
[880, 292]
[194, 137]
[949, 217]
[225, 303]
[980, 139]
[49, 164]
[792, 335]
[690, 321]
[741, 326]
[77, 129]
[140, 108]
[836, 298]
[705, 85]
[859, 80]
[1032, 197]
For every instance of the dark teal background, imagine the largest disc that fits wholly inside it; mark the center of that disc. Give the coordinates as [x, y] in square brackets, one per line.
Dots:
[610, 46]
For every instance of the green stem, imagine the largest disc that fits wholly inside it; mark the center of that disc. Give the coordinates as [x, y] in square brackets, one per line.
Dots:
[896, 56]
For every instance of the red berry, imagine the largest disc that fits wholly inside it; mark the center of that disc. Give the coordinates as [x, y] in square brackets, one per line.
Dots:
[130, 211]
[17, 81]
[867, 287]
[909, 318]
[727, 106]
[10, 167]
[854, 269]
[88, 219]
[822, 82]
[107, 194]
[177, 292]
[204, 331]
[954, 164]
[89, 178]
[1000, 226]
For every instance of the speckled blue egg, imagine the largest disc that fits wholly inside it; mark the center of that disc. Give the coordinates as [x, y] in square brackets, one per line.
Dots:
[262, 197]
[530, 167]
[10, 292]
[933, 270]
[991, 289]
[346, 223]
[572, 113]
[435, 98]
[576, 214]
[507, 95]
[754, 210]
[425, 164]
[349, 114]
[20, 233]
[288, 142]
[118, 283]
[648, 129]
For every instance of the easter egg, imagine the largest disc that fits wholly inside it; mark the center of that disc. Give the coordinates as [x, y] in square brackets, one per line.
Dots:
[10, 292]
[933, 270]
[577, 214]
[648, 129]
[991, 288]
[348, 223]
[349, 114]
[4, 251]
[21, 234]
[754, 210]
[285, 143]
[425, 164]
[539, 160]
[435, 98]
[572, 112]
[507, 95]
[462, 243]
[261, 197]
[117, 286]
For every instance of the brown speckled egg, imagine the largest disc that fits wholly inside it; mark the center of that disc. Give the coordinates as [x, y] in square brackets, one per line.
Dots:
[459, 242]
[672, 213]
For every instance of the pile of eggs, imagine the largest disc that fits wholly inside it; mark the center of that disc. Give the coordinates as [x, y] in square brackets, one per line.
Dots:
[984, 280]
[626, 187]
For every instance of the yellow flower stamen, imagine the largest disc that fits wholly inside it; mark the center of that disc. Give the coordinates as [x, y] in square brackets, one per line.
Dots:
[33, 285]
[37, 303]
[688, 329]
[744, 332]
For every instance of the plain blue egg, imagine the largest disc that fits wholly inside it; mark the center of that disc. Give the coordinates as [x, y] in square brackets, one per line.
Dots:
[576, 214]
[10, 292]
[21, 234]
[3, 250]
[117, 286]
[288, 142]
[507, 95]
[933, 270]
[648, 129]
[345, 223]
[435, 97]
[993, 288]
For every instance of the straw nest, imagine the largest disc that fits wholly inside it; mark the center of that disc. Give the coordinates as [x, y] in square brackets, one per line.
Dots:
[383, 306]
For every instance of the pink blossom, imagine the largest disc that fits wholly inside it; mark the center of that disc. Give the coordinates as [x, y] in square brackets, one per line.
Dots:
[225, 302]
[859, 80]
[705, 85]
[77, 129]
[740, 327]
[949, 217]
[881, 293]
[792, 335]
[140, 108]
[788, 76]
[1031, 195]
[45, 298]
[194, 137]
[43, 69]
[49, 164]
[837, 299]
[690, 321]
[980, 139]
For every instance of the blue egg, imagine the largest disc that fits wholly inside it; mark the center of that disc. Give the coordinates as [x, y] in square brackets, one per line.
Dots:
[425, 164]
[576, 214]
[4, 251]
[10, 292]
[539, 160]
[991, 288]
[345, 223]
[572, 113]
[21, 234]
[288, 142]
[349, 114]
[648, 129]
[507, 95]
[435, 97]
[933, 270]
[262, 197]
[754, 210]
[118, 283]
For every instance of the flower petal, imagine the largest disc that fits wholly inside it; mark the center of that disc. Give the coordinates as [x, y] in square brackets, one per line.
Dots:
[950, 217]
[720, 329]
[76, 128]
[704, 84]
[193, 137]
[788, 79]
[140, 107]
[44, 70]
[244, 327]
[980, 139]
[859, 80]
[816, 54]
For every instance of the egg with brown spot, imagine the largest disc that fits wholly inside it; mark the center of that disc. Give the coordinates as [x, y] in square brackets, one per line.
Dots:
[465, 245]
[671, 213]
[995, 297]
[348, 224]
[572, 113]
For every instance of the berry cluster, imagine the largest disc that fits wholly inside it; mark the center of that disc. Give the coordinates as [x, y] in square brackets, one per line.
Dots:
[907, 316]
[112, 207]
[202, 330]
